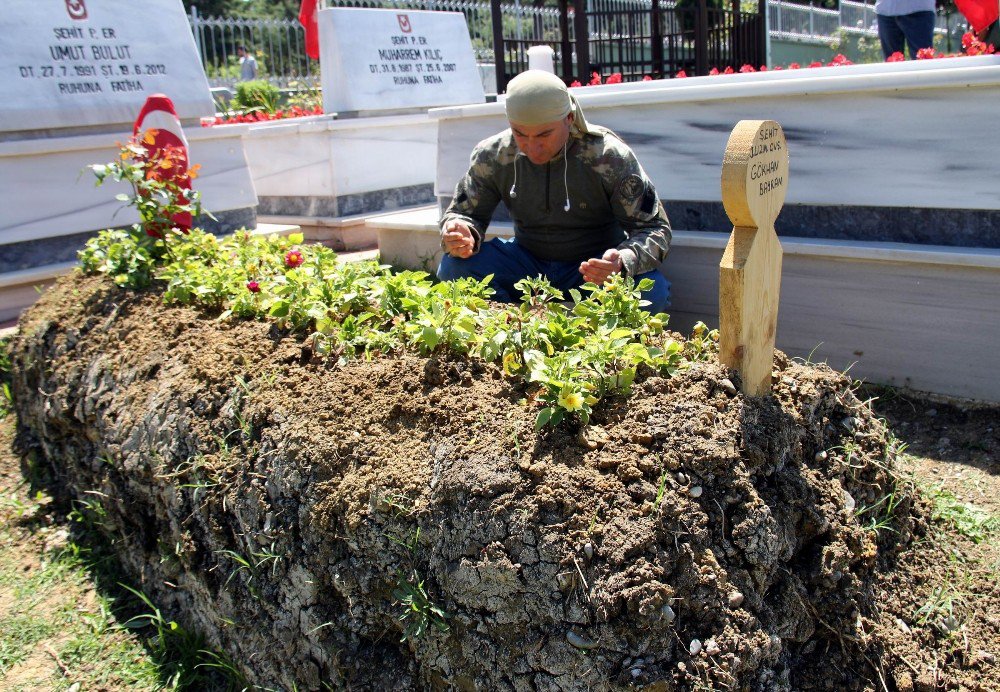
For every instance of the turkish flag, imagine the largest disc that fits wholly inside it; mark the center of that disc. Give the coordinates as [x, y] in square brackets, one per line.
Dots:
[980, 13]
[307, 17]
[159, 117]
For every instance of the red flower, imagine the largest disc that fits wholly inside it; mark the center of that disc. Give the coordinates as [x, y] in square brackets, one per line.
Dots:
[968, 38]
[747, 68]
[595, 79]
[615, 78]
[253, 286]
[293, 258]
[815, 63]
[576, 83]
[681, 74]
[763, 68]
[714, 71]
[840, 59]
[795, 66]
[926, 54]
[728, 70]
[896, 57]
[647, 78]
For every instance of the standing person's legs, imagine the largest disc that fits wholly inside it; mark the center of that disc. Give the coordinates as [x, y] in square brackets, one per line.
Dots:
[507, 261]
[890, 36]
[918, 28]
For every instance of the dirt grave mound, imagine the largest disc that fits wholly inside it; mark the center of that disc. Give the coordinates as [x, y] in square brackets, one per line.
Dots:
[399, 523]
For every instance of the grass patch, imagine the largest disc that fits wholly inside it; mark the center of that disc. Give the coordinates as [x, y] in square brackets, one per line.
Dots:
[6, 399]
[65, 618]
[966, 518]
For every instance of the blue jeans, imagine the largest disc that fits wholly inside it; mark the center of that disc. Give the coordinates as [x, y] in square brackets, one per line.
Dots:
[915, 30]
[508, 262]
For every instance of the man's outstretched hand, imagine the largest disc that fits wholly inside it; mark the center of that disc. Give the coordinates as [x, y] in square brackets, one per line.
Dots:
[597, 271]
[457, 239]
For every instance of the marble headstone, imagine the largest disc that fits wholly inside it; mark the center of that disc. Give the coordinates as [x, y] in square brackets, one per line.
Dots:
[385, 60]
[73, 64]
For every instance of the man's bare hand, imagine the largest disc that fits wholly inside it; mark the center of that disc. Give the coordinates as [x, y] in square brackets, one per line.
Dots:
[598, 271]
[457, 239]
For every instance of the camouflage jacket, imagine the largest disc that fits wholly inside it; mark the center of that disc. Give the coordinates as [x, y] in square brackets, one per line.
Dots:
[612, 202]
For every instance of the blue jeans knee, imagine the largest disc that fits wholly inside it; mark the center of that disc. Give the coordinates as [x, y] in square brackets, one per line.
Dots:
[659, 295]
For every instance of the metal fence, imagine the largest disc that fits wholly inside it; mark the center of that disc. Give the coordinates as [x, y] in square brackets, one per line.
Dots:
[279, 45]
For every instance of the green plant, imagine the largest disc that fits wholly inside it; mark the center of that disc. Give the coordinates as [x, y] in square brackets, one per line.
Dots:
[160, 184]
[90, 513]
[305, 94]
[969, 520]
[252, 566]
[419, 612]
[6, 397]
[702, 343]
[880, 515]
[256, 95]
[180, 653]
[573, 354]
[942, 609]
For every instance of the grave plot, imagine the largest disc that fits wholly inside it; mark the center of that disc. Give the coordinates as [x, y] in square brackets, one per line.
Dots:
[308, 516]
[392, 485]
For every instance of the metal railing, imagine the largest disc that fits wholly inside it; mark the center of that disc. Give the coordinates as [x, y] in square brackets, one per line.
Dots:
[279, 45]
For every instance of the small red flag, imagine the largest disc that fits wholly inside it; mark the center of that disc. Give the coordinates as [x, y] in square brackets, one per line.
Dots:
[980, 13]
[158, 114]
[307, 17]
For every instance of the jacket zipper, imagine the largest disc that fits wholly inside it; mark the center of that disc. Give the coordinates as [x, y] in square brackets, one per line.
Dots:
[547, 169]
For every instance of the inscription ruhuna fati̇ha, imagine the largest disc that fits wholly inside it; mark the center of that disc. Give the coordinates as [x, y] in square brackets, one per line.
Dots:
[410, 60]
[754, 181]
[90, 60]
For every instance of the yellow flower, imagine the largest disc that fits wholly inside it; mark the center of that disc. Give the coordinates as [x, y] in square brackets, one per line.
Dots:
[571, 400]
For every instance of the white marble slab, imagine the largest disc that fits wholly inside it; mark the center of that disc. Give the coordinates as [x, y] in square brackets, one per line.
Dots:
[381, 60]
[930, 327]
[95, 66]
[332, 158]
[923, 135]
[46, 190]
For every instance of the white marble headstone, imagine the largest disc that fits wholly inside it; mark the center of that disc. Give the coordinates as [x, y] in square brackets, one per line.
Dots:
[383, 60]
[79, 63]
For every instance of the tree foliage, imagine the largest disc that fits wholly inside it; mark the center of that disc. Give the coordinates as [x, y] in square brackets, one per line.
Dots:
[245, 9]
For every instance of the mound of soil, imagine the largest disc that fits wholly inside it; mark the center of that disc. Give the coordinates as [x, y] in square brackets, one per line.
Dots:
[399, 523]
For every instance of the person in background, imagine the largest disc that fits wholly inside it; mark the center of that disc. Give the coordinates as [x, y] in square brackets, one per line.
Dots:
[248, 64]
[904, 23]
[984, 19]
[583, 208]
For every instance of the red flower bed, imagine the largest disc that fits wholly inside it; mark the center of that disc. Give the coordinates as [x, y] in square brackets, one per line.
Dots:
[970, 46]
[263, 116]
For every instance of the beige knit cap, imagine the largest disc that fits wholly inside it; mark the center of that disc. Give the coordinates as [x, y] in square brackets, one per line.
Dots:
[537, 97]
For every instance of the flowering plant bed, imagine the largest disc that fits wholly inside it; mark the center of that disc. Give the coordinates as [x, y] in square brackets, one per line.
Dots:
[262, 116]
[971, 46]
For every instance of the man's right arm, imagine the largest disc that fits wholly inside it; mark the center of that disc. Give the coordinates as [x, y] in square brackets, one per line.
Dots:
[476, 197]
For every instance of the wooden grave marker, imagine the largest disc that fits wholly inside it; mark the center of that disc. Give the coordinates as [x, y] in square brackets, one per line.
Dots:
[754, 181]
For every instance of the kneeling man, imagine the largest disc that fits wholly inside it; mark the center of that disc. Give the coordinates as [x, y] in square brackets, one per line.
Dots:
[583, 208]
